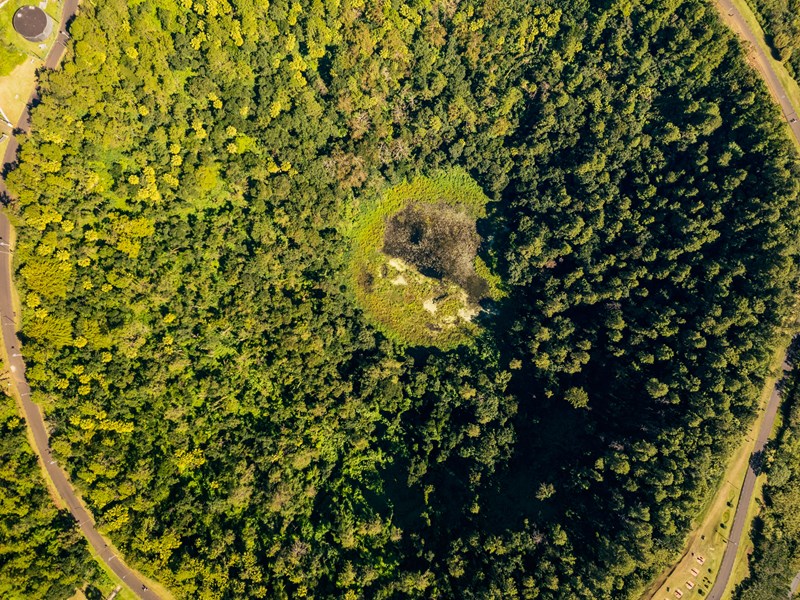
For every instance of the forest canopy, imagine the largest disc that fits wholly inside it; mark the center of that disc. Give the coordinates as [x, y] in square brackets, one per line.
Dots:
[781, 24]
[232, 406]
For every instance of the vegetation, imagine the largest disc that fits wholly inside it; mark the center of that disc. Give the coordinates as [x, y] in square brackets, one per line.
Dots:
[776, 531]
[782, 27]
[188, 206]
[414, 267]
[13, 47]
[42, 553]
[9, 58]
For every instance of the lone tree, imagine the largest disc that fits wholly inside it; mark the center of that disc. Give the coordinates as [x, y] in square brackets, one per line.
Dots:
[577, 397]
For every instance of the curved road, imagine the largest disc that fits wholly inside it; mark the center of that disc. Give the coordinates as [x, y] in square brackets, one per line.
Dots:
[734, 19]
[745, 497]
[34, 417]
[17, 366]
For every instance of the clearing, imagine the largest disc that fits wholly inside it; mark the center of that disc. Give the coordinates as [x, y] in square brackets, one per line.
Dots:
[415, 268]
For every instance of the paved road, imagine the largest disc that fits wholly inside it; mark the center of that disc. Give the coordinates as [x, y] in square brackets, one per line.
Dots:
[51, 61]
[734, 19]
[17, 366]
[745, 498]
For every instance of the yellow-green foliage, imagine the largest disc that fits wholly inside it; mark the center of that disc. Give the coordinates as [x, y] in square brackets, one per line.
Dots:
[9, 58]
[56, 331]
[482, 270]
[403, 303]
[47, 277]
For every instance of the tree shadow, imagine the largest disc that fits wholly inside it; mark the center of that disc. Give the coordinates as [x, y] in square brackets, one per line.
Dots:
[92, 593]
[757, 462]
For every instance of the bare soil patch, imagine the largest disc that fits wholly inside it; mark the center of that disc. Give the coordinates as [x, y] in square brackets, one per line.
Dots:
[441, 241]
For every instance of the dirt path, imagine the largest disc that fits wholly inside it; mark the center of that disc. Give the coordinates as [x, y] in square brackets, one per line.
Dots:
[32, 414]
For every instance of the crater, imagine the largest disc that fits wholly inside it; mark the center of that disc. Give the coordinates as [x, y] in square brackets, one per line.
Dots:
[415, 268]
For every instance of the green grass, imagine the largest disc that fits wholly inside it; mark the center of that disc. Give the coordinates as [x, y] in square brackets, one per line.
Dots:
[9, 58]
[496, 291]
[404, 304]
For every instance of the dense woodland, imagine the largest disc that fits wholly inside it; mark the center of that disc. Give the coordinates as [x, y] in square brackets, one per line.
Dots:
[239, 429]
[42, 554]
[781, 24]
[776, 531]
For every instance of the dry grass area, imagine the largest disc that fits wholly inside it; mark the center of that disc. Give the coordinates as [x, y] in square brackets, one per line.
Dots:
[703, 556]
[15, 90]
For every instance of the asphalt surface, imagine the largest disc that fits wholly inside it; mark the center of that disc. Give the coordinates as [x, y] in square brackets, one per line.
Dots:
[734, 19]
[34, 417]
[51, 61]
[745, 498]
[17, 366]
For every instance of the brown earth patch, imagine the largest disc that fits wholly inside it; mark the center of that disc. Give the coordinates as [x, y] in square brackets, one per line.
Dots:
[441, 241]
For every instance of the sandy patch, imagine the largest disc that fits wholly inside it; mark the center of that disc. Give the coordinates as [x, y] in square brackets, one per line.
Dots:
[468, 313]
[397, 264]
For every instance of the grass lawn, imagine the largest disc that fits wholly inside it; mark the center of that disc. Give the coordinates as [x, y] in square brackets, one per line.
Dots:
[709, 539]
[9, 58]
[15, 90]
[411, 223]
[19, 60]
